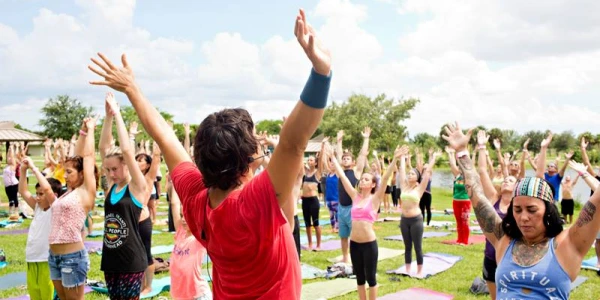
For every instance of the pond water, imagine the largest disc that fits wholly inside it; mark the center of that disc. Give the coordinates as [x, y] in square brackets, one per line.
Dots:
[581, 192]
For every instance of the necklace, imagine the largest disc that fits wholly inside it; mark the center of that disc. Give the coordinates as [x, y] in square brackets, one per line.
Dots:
[536, 243]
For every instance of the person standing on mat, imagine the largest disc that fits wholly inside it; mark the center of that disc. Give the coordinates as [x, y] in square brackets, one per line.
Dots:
[500, 201]
[363, 241]
[351, 172]
[413, 186]
[310, 200]
[530, 240]
[47, 190]
[68, 259]
[185, 265]
[221, 188]
[124, 256]
[460, 201]
[11, 183]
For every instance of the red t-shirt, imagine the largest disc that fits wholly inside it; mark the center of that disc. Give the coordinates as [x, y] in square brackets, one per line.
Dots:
[247, 237]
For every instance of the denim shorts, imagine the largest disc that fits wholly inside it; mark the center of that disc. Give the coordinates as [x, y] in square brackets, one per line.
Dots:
[70, 268]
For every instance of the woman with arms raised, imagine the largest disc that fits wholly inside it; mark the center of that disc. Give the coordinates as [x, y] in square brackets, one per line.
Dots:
[536, 258]
[234, 215]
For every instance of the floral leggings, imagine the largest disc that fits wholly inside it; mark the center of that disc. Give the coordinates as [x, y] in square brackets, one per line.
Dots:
[124, 286]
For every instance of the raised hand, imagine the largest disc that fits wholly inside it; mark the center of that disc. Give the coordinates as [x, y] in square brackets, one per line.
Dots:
[577, 167]
[546, 142]
[375, 153]
[120, 79]
[525, 144]
[506, 158]
[482, 138]
[133, 128]
[329, 150]
[155, 149]
[90, 122]
[186, 128]
[340, 136]
[584, 143]
[401, 151]
[366, 132]
[569, 155]
[456, 138]
[497, 144]
[315, 51]
[27, 162]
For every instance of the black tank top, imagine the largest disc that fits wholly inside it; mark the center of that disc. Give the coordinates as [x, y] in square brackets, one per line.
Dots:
[345, 200]
[122, 250]
[312, 178]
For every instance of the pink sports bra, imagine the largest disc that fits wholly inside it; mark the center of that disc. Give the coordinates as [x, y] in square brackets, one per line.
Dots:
[365, 213]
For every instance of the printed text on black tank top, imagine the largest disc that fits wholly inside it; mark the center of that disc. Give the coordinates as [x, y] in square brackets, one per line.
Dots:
[116, 231]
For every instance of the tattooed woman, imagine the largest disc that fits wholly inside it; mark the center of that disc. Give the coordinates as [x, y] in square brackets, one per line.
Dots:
[536, 258]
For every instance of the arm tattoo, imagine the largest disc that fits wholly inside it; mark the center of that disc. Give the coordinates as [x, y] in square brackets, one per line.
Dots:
[487, 217]
[586, 215]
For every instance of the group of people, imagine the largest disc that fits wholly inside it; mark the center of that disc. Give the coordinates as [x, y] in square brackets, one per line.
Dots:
[233, 211]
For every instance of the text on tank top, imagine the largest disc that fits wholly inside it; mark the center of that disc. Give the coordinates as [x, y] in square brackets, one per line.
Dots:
[122, 250]
[345, 199]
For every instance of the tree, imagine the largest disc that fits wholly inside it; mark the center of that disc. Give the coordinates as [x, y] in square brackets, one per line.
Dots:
[424, 141]
[535, 139]
[383, 115]
[512, 140]
[63, 116]
[270, 126]
[564, 141]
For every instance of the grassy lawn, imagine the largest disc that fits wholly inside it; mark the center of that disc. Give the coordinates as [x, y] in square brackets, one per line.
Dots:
[455, 281]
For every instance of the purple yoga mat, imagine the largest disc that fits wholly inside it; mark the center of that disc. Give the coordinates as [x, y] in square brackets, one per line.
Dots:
[86, 290]
[327, 246]
[93, 244]
[417, 294]
[426, 234]
[19, 231]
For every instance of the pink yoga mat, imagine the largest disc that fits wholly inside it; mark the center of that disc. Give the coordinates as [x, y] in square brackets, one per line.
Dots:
[19, 231]
[473, 239]
[326, 246]
[417, 294]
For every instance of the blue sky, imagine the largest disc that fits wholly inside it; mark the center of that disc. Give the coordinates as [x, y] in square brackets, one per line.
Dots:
[496, 63]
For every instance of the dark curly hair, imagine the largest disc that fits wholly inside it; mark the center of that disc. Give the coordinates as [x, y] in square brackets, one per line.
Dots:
[223, 147]
[77, 162]
[148, 160]
[551, 221]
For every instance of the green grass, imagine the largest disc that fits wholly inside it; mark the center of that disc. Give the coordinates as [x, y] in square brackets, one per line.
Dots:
[456, 280]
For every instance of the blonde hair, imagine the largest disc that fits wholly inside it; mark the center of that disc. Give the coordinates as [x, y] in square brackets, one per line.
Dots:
[115, 152]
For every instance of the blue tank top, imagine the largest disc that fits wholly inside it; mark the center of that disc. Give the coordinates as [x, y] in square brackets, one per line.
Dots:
[544, 280]
[331, 189]
[490, 252]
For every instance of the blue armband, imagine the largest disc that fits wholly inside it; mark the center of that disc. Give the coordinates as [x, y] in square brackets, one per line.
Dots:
[316, 90]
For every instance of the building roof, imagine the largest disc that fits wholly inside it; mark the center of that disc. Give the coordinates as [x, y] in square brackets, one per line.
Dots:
[8, 133]
[314, 145]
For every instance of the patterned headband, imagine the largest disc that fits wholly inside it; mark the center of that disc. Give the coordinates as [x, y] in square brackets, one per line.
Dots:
[534, 187]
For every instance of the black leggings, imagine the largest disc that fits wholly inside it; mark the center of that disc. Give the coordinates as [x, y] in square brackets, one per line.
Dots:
[395, 195]
[364, 261]
[310, 210]
[12, 194]
[412, 233]
[296, 234]
[425, 204]
[170, 222]
[146, 235]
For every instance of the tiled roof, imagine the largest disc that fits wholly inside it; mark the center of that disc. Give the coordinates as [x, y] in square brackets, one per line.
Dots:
[10, 134]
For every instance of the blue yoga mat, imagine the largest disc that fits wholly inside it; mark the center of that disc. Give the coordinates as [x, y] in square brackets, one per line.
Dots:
[158, 286]
[13, 280]
[321, 223]
[161, 249]
[590, 264]
[5, 222]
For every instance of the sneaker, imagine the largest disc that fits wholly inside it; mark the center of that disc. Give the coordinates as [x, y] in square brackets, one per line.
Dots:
[23, 215]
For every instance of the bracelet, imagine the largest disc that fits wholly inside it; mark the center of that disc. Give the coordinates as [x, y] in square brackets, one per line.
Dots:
[462, 153]
[81, 132]
[481, 147]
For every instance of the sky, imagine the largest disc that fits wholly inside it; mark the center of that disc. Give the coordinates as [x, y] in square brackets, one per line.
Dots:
[499, 63]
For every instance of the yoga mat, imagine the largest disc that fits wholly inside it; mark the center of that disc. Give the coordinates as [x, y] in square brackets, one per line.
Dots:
[578, 281]
[433, 263]
[426, 234]
[310, 272]
[383, 253]
[86, 290]
[93, 244]
[440, 223]
[473, 239]
[321, 223]
[161, 249]
[162, 213]
[328, 289]
[327, 246]
[158, 286]
[590, 264]
[96, 233]
[3, 264]
[417, 294]
[304, 239]
[5, 222]
[18, 231]
[472, 229]
[13, 280]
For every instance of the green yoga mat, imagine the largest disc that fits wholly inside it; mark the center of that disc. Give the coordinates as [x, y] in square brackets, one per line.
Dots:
[328, 289]
[158, 286]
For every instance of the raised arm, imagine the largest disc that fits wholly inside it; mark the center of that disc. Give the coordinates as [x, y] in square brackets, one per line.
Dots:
[402, 171]
[486, 181]
[503, 166]
[426, 173]
[186, 138]
[361, 160]
[488, 219]
[175, 203]
[154, 167]
[106, 133]
[452, 161]
[586, 160]
[138, 185]
[89, 162]
[541, 163]
[341, 176]
[380, 192]
[23, 189]
[563, 168]
[339, 150]
[583, 233]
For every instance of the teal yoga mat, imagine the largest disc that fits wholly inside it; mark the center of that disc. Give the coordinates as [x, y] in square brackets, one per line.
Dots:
[158, 286]
[161, 249]
[590, 264]
[13, 280]
[5, 222]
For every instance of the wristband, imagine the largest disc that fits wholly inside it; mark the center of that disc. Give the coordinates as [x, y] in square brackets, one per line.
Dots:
[462, 153]
[316, 90]
[481, 147]
[81, 132]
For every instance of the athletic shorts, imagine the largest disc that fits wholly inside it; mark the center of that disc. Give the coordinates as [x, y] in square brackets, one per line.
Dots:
[39, 284]
[344, 220]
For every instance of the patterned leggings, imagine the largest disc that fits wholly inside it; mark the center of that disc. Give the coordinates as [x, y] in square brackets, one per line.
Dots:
[124, 286]
[333, 213]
